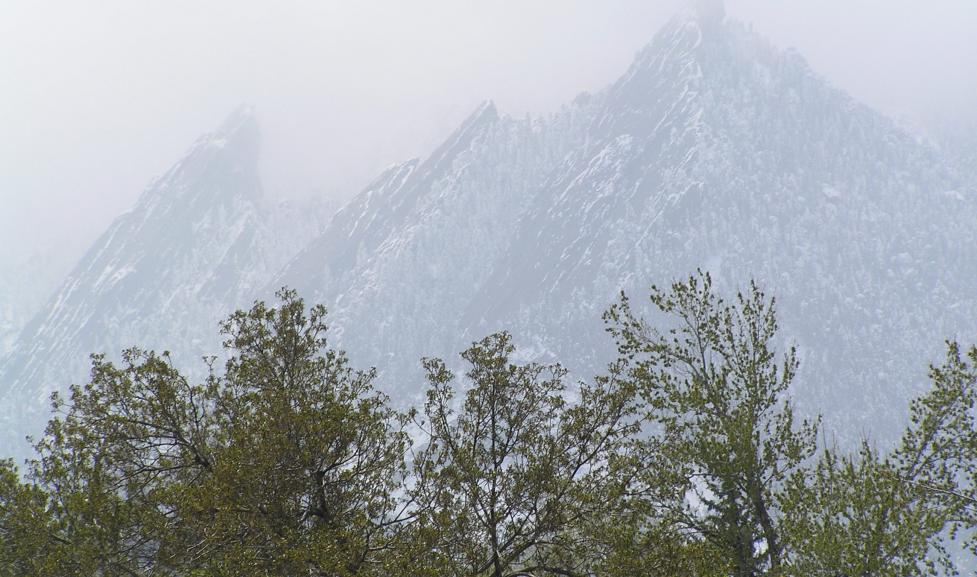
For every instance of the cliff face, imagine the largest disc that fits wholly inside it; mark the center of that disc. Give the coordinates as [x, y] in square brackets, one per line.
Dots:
[713, 151]
[195, 246]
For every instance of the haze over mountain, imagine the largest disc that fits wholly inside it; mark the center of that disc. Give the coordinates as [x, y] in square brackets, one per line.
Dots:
[97, 99]
[714, 150]
[20, 300]
[199, 243]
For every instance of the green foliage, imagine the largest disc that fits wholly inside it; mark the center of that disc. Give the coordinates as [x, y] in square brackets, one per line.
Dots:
[889, 514]
[284, 464]
[716, 393]
[685, 458]
[24, 527]
[516, 476]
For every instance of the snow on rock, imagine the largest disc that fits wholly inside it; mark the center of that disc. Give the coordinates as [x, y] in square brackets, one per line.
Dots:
[713, 150]
[199, 243]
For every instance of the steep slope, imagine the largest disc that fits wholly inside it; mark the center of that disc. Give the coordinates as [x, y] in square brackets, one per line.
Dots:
[714, 150]
[24, 287]
[419, 241]
[959, 143]
[193, 248]
[751, 166]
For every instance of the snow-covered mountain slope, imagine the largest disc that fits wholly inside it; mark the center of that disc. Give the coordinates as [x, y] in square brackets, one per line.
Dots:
[24, 287]
[421, 239]
[714, 150]
[723, 153]
[959, 143]
[198, 244]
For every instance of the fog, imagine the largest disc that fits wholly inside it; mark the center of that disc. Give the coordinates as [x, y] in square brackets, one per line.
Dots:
[98, 98]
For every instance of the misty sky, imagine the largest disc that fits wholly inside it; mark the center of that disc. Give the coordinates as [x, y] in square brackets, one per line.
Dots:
[97, 98]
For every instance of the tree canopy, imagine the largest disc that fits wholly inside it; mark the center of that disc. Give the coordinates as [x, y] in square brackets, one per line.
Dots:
[684, 458]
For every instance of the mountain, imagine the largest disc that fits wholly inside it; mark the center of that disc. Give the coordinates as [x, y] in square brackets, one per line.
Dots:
[714, 150]
[958, 141]
[423, 236]
[200, 242]
[24, 286]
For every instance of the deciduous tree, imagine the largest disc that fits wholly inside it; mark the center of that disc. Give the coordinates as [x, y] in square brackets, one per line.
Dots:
[513, 473]
[717, 399]
[287, 462]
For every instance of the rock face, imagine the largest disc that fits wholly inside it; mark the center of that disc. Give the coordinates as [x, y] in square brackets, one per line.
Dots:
[20, 300]
[198, 244]
[713, 151]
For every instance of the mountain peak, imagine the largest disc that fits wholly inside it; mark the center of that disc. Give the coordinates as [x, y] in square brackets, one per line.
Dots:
[486, 111]
[241, 119]
[239, 130]
[670, 59]
[484, 115]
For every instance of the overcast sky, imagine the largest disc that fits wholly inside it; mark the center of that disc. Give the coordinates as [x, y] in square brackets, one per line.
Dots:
[98, 97]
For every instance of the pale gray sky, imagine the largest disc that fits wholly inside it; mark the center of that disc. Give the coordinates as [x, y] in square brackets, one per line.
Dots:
[98, 97]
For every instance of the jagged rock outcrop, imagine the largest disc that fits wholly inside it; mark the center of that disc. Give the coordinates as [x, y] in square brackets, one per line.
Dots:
[200, 242]
[714, 150]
